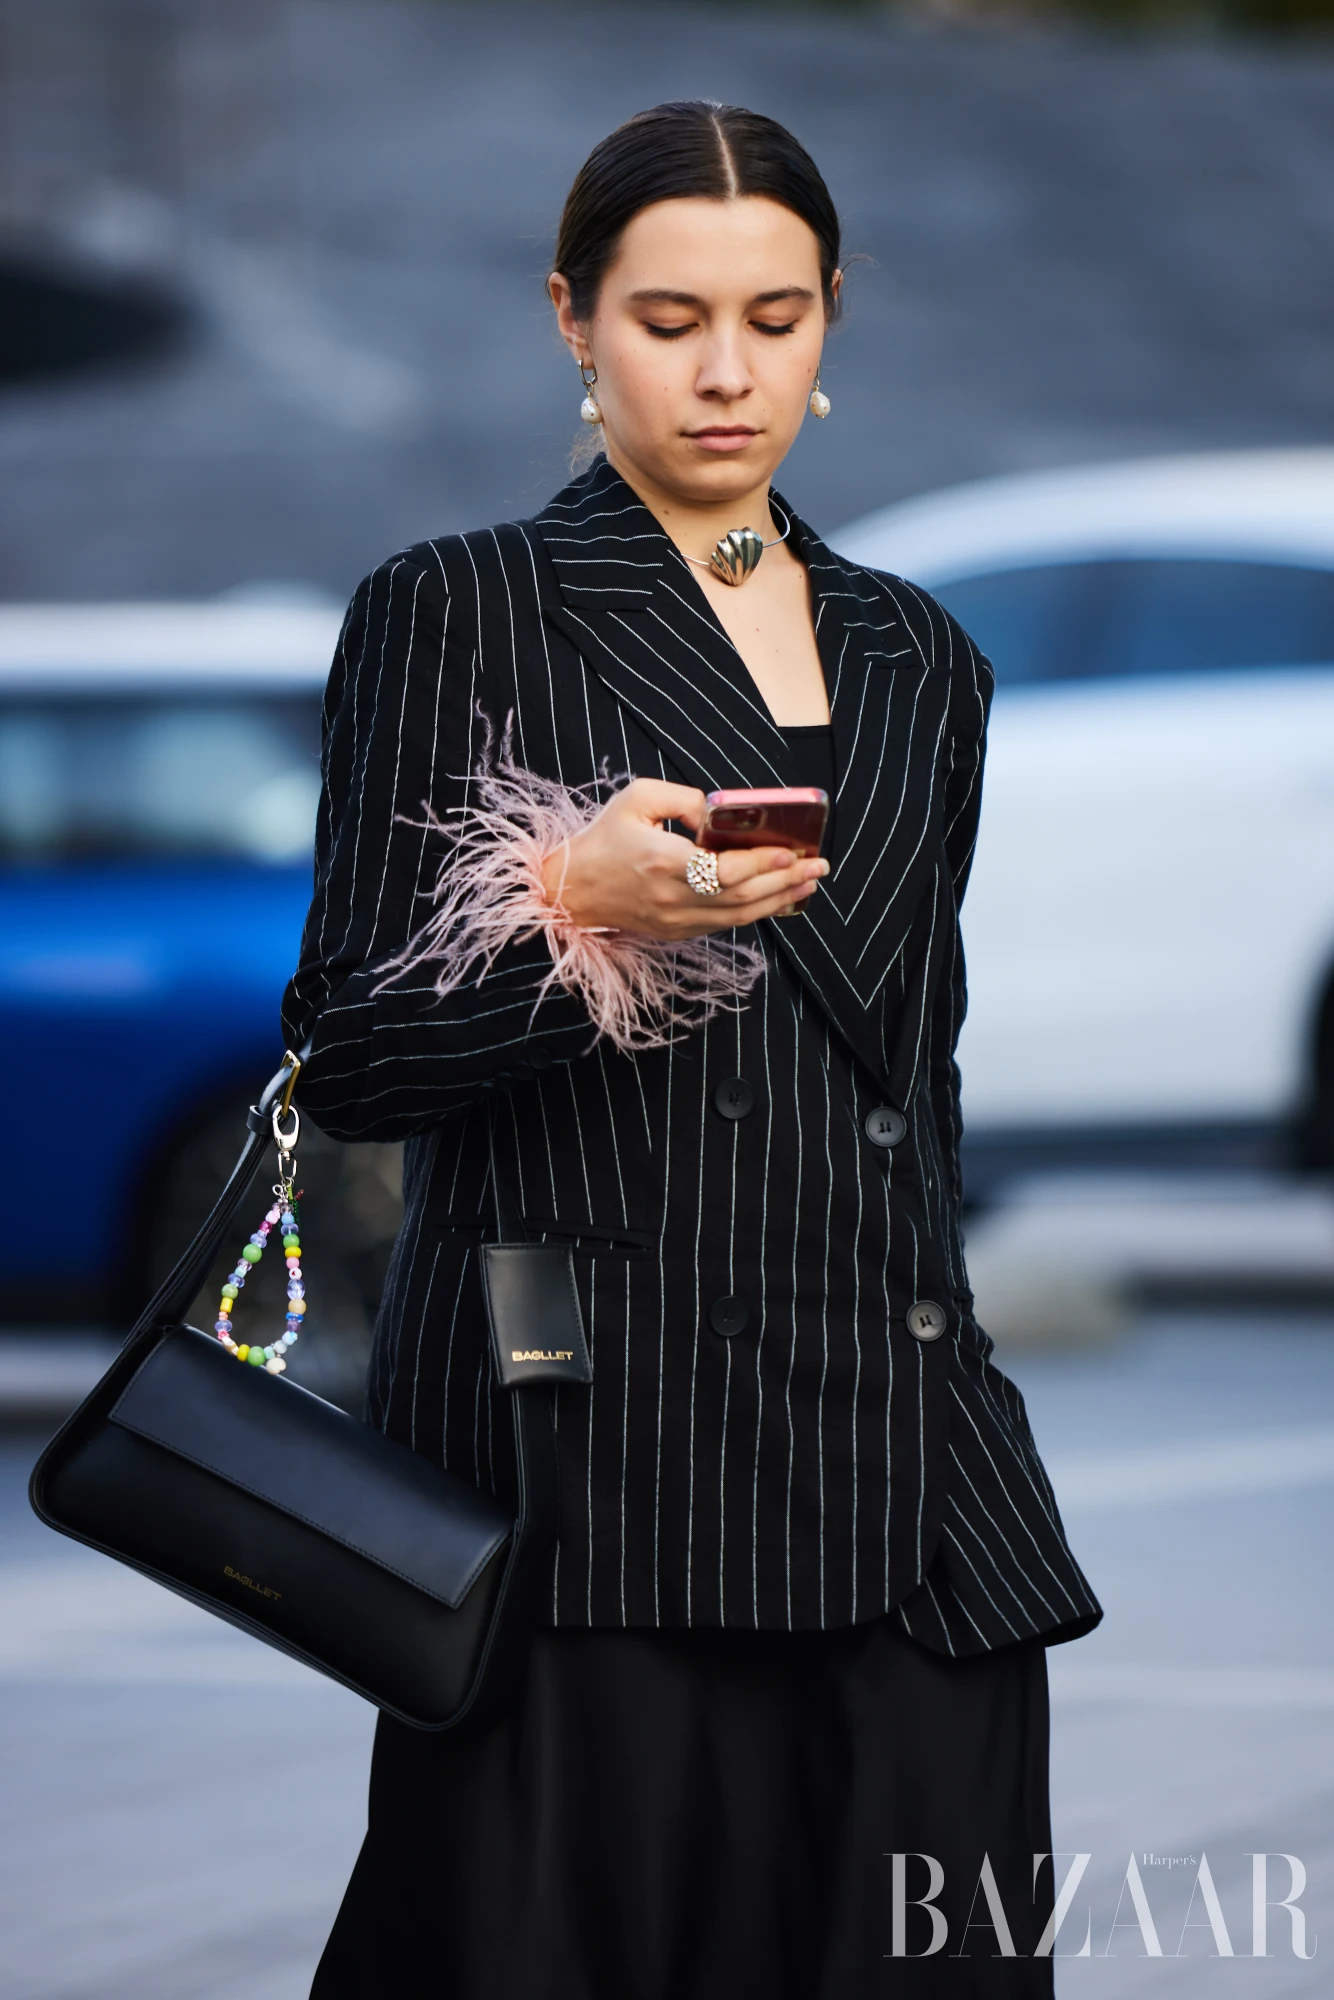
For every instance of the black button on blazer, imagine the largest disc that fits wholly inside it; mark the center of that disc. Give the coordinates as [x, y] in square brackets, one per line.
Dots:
[818, 1465]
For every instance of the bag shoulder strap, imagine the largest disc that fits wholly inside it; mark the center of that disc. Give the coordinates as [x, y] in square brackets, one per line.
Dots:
[177, 1291]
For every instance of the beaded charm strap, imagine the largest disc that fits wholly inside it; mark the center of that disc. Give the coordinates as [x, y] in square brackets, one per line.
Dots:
[283, 1215]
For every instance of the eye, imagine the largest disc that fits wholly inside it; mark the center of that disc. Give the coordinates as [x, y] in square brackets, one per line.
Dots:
[767, 327]
[665, 332]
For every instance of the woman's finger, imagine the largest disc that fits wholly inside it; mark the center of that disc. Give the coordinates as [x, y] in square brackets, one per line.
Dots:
[776, 882]
[745, 864]
[654, 799]
[712, 918]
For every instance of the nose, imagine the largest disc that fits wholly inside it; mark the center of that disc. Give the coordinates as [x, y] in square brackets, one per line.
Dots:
[724, 376]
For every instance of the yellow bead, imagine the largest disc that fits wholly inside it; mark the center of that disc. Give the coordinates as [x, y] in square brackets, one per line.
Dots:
[241, 1353]
[224, 1308]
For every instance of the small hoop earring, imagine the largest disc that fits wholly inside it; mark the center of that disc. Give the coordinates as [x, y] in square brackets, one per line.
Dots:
[820, 405]
[588, 409]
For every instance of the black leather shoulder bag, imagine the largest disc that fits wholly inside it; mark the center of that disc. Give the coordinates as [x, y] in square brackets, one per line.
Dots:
[282, 1514]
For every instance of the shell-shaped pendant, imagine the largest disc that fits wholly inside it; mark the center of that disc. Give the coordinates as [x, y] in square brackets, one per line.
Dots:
[820, 403]
[735, 555]
[589, 411]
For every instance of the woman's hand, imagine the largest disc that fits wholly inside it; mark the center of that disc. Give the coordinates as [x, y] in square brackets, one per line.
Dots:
[625, 872]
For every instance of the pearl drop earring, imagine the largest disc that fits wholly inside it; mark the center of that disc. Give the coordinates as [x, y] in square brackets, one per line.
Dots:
[820, 404]
[588, 409]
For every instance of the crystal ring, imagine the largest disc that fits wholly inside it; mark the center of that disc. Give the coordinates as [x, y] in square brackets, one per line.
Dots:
[702, 873]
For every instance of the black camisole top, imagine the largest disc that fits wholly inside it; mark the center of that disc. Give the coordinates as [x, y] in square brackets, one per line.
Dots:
[811, 755]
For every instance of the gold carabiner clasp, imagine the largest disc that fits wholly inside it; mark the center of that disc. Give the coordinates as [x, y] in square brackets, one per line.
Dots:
[295, 1065]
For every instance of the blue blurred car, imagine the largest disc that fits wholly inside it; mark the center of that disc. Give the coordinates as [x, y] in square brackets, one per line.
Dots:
[159, 775]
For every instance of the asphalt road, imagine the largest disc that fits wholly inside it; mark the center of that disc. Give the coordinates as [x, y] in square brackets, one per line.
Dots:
[1075, 248]
[182, 1807]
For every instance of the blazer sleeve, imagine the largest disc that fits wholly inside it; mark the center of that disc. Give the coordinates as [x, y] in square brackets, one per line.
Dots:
[389, 1054]
[971, 706]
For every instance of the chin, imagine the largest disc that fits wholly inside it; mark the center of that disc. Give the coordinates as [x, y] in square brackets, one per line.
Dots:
[720, 478]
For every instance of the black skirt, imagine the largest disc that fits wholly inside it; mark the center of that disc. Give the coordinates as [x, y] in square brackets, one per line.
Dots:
[699, 1814]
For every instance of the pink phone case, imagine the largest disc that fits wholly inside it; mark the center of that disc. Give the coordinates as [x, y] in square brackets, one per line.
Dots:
[793, 816]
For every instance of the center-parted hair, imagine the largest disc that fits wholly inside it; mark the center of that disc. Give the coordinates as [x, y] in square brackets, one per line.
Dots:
[673, 152]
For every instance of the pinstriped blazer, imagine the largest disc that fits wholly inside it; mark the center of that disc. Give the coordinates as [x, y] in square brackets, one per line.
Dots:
[801, 1458]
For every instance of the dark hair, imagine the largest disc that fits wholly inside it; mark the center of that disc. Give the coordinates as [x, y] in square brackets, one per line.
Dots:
[677, 150]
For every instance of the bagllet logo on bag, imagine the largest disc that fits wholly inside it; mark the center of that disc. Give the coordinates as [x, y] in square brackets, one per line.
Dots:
[541, 1354]
[239, 1576]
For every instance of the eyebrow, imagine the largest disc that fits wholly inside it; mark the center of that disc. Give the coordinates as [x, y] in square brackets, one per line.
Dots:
[657, 295]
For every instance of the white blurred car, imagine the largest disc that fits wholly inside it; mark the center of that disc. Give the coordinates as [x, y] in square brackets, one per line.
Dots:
[1150, 923]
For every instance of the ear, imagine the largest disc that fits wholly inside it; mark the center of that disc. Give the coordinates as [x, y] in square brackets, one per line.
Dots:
[836, 288]
[572, 332]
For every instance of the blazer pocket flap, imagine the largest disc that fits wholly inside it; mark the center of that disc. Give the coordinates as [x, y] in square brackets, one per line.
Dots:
[308, 1459]
[537, 1328]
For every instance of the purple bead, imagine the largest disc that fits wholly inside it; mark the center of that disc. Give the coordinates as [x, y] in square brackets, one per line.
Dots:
[223, 1326]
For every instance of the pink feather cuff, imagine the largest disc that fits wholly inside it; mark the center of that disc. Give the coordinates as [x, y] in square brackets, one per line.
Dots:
[640, 992]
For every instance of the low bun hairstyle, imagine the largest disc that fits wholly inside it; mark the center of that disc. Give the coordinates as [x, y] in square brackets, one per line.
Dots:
[675, 151]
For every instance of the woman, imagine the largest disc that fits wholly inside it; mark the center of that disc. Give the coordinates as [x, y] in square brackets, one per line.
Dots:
[808, 1558]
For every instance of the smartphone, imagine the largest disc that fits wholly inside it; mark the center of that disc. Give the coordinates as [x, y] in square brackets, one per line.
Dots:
[793, 817]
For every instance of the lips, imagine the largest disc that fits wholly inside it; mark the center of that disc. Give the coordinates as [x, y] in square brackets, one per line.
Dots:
[723, 437]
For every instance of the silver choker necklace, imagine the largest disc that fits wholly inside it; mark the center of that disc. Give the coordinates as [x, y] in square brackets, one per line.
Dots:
[735, 555]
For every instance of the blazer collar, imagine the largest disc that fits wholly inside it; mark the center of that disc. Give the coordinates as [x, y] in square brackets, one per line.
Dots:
[629, 601]
[606, 548]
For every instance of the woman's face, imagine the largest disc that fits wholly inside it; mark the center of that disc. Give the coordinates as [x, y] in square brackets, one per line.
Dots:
[706, 339]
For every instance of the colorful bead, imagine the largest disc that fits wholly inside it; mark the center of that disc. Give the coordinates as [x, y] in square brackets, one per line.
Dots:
[267, 1356]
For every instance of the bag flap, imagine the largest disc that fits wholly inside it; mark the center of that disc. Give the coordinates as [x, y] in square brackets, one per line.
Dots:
[308, 1459]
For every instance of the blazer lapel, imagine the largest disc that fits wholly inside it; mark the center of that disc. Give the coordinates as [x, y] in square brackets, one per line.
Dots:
[888, 705]
[628, 601]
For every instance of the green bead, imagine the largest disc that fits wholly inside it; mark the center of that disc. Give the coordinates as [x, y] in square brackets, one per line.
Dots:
[256, 1357]
[291, 1242]
[231, 1291]
[252, 1253]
